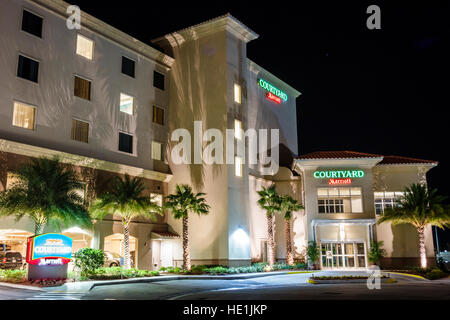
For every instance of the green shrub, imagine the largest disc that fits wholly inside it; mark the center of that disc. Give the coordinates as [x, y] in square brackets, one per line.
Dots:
[88, 259]
[13, 275]
[198, 269]
[162, 269]
[301, 266]
[119, 273]
[259, 266]
[435, 273]
[217, 270]
[282, 266]
[376, 252]
[313, 252]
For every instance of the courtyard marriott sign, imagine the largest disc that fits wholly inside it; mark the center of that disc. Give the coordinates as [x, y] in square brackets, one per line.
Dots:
[338, 176]
[49, 249]
[273, 93]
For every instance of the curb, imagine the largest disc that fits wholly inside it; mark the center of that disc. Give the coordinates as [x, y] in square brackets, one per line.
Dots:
[408, 275]
[20, 286]
[159, 278]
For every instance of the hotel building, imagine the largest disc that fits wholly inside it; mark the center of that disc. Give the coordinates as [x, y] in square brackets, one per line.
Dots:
[107, 104]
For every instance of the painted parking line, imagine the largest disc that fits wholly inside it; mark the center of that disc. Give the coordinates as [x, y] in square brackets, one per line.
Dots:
[57, 296]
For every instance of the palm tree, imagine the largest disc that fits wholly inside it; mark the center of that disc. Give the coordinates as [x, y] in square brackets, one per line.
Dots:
[125, 199]
[270, 201]
[290, 205]
[47, 191]
[181, 203]
[419, 207]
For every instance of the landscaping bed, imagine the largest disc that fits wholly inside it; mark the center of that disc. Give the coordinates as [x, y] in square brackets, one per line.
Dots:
[431, 273]
[222, 270]
[346, 279]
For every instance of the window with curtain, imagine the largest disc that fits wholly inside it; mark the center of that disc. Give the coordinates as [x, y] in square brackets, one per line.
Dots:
[339, 200]
[237, 93]
[82, 88]
[24, 115]
[80, 130]
[85, 47]
[158, 115]
[156, 150]
[385, 200]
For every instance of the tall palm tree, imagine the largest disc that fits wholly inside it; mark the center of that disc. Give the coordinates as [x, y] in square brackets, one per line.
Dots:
[419, 207]
[47, 191]
[270, 201]
[289, 205]
[125, 199]
[181, 203]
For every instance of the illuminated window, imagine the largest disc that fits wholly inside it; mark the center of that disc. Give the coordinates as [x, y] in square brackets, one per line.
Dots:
[156, 198]
[24, 115]
[238, 166]
[80, 130]
[339, 200]
[385, 200]
[156, 150]
[158, 115]
[82, 88]
[126, 103]
[85, 47]
[237, 93]
[237, 129]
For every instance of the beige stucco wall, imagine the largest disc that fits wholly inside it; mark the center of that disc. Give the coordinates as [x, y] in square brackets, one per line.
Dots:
[198, 93]
[401, 240]
[287, 184]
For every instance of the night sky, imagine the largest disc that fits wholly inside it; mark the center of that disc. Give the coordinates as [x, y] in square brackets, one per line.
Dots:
[377, 91]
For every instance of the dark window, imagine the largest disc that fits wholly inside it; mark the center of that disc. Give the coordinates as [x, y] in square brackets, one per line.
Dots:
[28, 69]
[31, 23]
[82, 88]
[158, 115]
[80, 130]
[158, 80]
[128, 67]
[125, 142]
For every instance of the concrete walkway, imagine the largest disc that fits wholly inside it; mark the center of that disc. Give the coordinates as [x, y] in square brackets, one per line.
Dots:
[86, 286]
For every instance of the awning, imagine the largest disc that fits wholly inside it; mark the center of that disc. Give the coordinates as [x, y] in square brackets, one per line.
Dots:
[164, 235]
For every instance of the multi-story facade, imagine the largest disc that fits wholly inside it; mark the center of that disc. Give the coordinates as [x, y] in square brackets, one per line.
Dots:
[94, 97]
[108, 104]
[345, 194]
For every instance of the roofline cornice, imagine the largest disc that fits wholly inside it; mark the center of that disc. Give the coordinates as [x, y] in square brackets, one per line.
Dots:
[108, 32]
[78, 160]
[223, 23]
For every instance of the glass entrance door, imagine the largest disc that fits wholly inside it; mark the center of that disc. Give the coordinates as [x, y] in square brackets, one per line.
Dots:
[343, 255]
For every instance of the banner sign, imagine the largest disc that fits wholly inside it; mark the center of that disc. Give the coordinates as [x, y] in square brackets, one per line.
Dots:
[49, 249]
